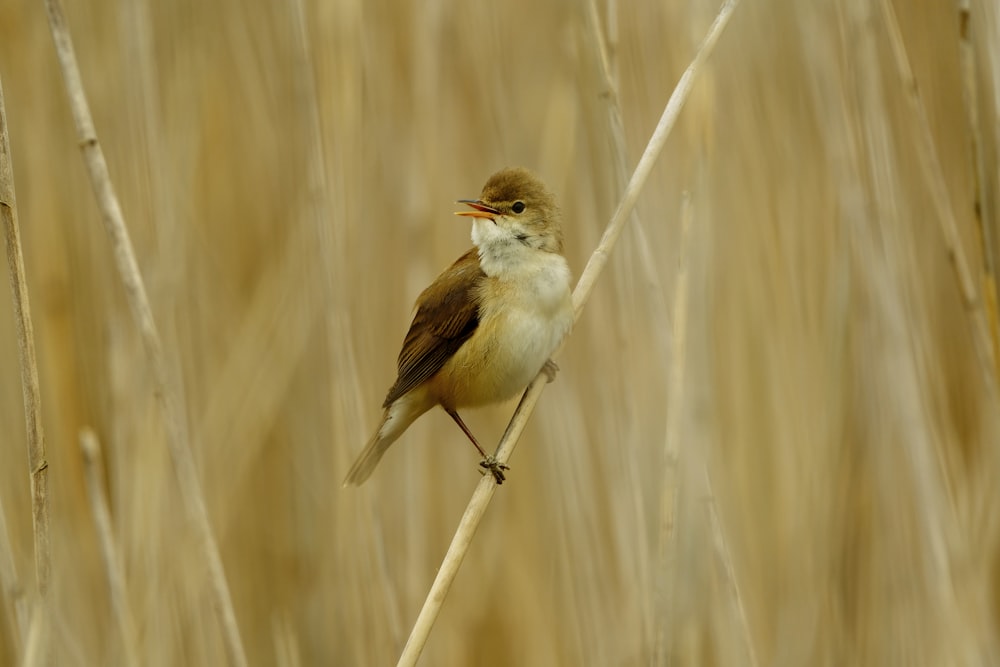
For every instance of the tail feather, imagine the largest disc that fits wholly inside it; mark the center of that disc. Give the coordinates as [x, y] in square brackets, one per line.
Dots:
[367, 460]
[397, 417]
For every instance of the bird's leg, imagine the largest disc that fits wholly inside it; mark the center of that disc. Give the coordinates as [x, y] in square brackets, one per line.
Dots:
[550, 369]
[461, 425]
[489, 461]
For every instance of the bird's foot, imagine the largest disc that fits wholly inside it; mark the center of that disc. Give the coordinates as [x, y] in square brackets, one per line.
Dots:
[491, 465]
[550, 369]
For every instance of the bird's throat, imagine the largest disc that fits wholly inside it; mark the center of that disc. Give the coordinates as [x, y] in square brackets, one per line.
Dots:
[503, 253]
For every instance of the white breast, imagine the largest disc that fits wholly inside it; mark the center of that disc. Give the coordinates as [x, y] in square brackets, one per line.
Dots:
[529, 310]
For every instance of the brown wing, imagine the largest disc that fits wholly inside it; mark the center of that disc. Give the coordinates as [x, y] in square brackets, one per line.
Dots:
[447, 316]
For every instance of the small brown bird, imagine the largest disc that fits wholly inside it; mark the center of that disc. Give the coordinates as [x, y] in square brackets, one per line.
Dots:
[487, 325]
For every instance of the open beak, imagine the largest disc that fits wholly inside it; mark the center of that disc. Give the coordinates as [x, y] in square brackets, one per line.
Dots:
[480, 210]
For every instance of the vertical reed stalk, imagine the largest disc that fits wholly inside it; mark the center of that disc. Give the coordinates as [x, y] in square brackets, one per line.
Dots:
[37, 463]
[94, 470]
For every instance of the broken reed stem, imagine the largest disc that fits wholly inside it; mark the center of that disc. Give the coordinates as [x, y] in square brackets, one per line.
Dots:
[937, 186]
[94, 472]
[135, 292]
[37, 464]
[486, 487]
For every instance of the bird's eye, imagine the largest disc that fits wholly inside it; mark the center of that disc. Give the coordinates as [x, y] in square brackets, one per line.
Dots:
[518, 207]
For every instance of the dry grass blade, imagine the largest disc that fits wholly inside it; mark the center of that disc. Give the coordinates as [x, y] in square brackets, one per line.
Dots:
[487, 486]
[37, 464]
[934, 174]
[674, 105]
[128, 268]
[94, 469]
[606, 48]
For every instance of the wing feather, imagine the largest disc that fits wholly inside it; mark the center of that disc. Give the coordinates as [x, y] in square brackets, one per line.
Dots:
[445, 319]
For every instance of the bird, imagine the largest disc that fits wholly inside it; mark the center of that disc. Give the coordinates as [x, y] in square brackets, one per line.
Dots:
[489, 323]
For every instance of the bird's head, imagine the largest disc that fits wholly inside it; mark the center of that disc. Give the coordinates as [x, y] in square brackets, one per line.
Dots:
[515, 207]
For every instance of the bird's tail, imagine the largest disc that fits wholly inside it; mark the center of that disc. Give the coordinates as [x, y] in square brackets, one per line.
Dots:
[396, 419]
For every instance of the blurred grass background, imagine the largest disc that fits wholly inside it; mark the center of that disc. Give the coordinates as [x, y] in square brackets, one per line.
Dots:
[289, 182]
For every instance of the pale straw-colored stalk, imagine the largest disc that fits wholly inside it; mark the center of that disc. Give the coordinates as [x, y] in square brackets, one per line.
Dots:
[93, 467]
[933, 171]
[37, 463]
[983, 204]
[135, 291]
[670, 492]
[484, 491]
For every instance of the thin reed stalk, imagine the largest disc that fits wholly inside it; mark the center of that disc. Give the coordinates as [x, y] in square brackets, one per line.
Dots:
[937, 186]
[484, 491]
[982, 202]
[670, 490]
[606, 42]
[135, 291]
[37, 463]
[94, 470]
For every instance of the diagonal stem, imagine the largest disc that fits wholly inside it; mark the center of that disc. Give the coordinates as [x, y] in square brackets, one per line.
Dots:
[487, 485]
[933, 172]
[135, 291]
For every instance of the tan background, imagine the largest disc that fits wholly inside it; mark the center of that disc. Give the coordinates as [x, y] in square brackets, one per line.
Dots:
[288, 199]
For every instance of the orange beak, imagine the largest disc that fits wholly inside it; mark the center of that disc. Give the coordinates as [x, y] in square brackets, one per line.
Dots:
[480, 210]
